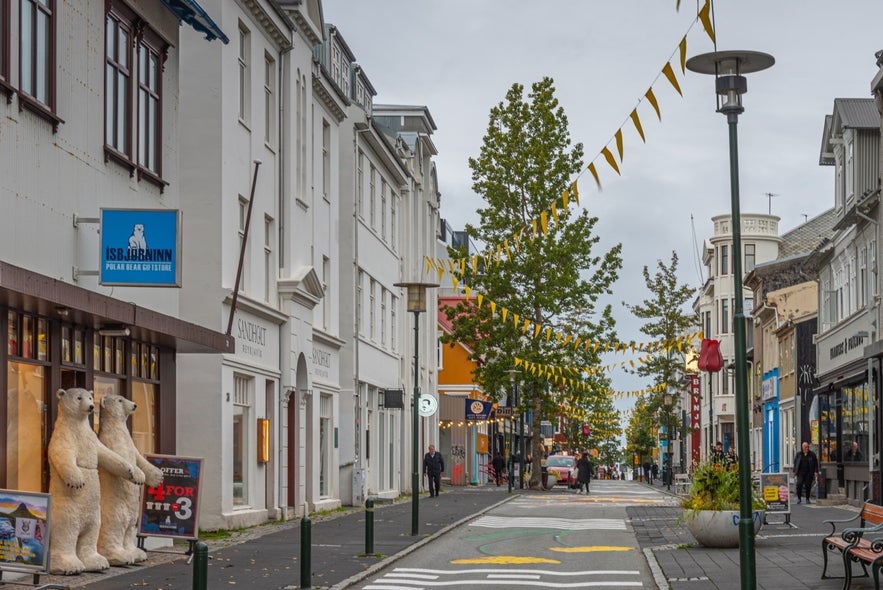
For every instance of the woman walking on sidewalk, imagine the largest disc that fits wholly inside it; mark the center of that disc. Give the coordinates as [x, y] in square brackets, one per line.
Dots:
[584, 475]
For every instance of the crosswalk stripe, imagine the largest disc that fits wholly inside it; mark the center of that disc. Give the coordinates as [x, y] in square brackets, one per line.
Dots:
[568, 524]
[482, 570]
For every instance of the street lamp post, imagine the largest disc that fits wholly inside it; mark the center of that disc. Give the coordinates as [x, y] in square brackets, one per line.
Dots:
[728, 68]
[416, 304]
[513, 404]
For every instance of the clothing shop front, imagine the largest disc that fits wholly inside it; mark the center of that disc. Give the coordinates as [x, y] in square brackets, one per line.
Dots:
[61, 336]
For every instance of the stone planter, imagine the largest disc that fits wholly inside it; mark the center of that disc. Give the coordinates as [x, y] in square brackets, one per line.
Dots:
[717, 528]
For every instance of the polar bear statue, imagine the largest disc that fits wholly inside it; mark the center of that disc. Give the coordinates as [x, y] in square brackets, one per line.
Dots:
[120, 498]
[75, 453]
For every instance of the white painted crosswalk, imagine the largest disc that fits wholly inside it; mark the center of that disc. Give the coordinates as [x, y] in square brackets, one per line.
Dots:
[416, 578]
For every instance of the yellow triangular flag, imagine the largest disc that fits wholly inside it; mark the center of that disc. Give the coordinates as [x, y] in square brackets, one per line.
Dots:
[704, 16]
[548, 334]
[505, 314]
[544, 222]
[499, 253]
[565, 199]
[515, 319]
[618, 136]
[610, 159]
[429, 264]
[637, 121]
[533, 224]
[555, 212]
[455, 282]
[683, 50]
[575, 191]
[536, 330]
[474, 261]
[467, 290]
[493, 308]
[595, 175]
[508, 252]
[518, 361]
[652, 98]
[558, 336]
[670, 75]
[525, 327]
[478, 299]
[441, 273]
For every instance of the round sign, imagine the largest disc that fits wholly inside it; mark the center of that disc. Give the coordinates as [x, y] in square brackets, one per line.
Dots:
[428, 405]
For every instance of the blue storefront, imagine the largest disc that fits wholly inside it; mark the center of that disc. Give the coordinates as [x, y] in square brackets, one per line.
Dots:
[771, 438]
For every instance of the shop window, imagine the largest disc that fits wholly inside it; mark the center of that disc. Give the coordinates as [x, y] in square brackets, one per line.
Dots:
[241, 416]
[854, 422]
[101, 387]
[144, 419]
[827, 427]
[26, 430]
[28, 336]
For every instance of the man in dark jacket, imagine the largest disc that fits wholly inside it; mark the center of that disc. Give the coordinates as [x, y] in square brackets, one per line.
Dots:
[499, 465]
[806, 468]
[433, 466]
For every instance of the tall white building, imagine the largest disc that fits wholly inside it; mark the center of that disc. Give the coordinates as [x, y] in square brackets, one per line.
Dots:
[715, 305]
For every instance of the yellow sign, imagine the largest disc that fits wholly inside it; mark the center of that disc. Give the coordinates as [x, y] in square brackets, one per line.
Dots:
[771, 494]
[481, 443]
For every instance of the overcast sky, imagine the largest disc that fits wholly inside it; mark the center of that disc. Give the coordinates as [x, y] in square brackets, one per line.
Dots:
[459, 57]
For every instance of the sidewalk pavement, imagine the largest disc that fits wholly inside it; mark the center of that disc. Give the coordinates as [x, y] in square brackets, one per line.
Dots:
[268, 557]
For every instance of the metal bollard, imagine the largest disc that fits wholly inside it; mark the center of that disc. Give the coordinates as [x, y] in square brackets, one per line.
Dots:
[200, 566]
[369, 526]
[305, 552]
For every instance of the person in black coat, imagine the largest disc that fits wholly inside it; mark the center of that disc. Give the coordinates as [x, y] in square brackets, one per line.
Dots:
[806, 468]
[499, 465]
[585, 471]
[433, 466]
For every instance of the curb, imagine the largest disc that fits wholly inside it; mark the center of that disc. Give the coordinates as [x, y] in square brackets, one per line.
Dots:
[410, 548]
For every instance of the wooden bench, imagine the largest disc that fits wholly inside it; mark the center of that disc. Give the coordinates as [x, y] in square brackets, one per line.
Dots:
[682, 483]
[853, 544]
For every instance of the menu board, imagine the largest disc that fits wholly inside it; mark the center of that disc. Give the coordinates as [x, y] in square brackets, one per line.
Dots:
[171, 508]
[775, 488]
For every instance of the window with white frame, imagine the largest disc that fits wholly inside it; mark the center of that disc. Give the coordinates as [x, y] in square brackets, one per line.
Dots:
[750, 258]
[360, 294]
[244, 73]
[326, 444]
[393, 321]
[151, 55]
[383, 188]
[851, 291]
[372, 195]
[241, 434]
[269, 99]
[326, 160]
[243, 217]
[725, 317]
[372, 310]
[268, 257]
[335, 63]
[360, 184]
[382, 317]
[725, 259]
[863, 277]
[326, 297]
[118, 80]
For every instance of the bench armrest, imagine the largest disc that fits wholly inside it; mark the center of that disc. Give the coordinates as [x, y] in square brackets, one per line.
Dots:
[834, 523]
[854, 535]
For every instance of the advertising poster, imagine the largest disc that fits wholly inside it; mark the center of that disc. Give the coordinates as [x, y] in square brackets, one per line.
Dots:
[774, 487]
[171, 508]
[24, 530]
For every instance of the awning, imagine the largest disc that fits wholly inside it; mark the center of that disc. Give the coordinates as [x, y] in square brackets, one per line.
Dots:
[36, 293]
[194, 15]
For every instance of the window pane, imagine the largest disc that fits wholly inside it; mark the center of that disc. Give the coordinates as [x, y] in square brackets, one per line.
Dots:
[12, 346]
[25, 427]
[103, 386]
[42, 340]
[42, 90]
[144, 418]
[27, 40]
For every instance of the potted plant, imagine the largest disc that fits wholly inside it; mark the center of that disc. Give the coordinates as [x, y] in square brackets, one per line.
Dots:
[711, 508]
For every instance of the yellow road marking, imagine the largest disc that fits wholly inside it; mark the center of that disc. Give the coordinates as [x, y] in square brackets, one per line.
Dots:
[592, 549]
[502, 560]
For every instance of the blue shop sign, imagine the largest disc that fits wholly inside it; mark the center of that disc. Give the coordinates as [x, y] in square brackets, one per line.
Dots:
[478, 410]
[140, 247]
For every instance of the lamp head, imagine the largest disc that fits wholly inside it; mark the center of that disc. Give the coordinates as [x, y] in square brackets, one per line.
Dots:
[728, 68]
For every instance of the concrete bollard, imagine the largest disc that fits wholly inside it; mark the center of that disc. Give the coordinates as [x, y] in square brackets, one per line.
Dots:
[369, 526]
[200, 566]
[305, 552]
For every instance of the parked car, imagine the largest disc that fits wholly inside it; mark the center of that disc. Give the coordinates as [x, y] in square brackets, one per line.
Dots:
[563, 467]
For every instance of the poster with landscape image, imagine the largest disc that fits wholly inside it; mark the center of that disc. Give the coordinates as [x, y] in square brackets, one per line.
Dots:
[24, 530]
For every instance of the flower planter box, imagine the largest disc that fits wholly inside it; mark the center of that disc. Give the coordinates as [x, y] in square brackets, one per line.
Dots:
[717, 528]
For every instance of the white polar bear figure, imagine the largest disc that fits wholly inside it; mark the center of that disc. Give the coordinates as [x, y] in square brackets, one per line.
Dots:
[137, 241]
[75, 453]
[120, 498]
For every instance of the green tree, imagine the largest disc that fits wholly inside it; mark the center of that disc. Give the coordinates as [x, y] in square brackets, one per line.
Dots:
[525, 164]
[666, 319]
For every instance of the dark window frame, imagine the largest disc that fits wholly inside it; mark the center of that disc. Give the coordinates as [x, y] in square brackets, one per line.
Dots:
[5, 34]
[154, 47]
[126, 20]
[43, 109]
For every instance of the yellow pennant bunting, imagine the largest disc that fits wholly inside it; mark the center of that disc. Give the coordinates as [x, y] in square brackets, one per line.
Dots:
[508, 252]
[637, 121]
[536, 330]
[558, 337]
[595, 175]
[526, 327]
[455, 282]
[429, 264]
[565, 199]
[475, 263]
[555, 212]
[493, 308]
[518, 362]
[533, 224]
[505, 314]
[548, 334]
[610, 159]
[467, 290]
[705, 17]
[441, 273]
[478, 299]
[618, 137]
[683, 50]
[670, 75]
[544, 222]
[575, 191]
[652, 98]
[499, 253]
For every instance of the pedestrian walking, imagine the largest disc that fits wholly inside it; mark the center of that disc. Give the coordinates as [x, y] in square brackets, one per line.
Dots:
[654, 470]
[586, 469]
[433, 467]
[717, 454]
[499, 465]
[806, 468]
[648, 472]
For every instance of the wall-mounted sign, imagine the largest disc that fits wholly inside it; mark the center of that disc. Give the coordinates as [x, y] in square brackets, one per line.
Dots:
[24, 530]
[171, 508]
[428, 405]
[140, 247]
[477, 409]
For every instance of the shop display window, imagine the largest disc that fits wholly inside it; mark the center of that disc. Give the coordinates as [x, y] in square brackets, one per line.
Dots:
[25, 426]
